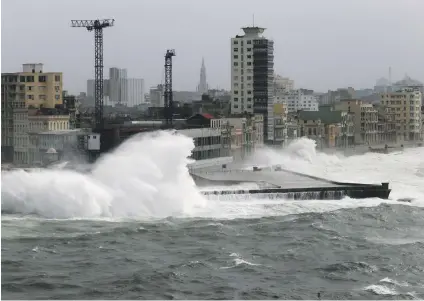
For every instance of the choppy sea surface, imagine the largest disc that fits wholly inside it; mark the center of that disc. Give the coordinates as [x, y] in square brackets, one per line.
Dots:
[137, 228]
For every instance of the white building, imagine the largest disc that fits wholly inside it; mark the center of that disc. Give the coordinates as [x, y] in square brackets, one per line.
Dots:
[252, 91]
[283, 84]
[298, 100]
[135, 90]
[118, 91]
[157, 96]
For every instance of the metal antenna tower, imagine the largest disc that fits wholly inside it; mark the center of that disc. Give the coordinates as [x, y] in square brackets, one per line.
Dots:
[168, 99]
[97, 26]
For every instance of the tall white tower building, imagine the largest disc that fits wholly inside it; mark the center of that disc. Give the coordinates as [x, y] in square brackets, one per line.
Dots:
[252, 74]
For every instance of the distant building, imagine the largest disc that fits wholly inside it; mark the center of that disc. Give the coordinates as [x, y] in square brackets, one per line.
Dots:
[406, 104]
[298, 100]
[329, 128]
[135, 92]
[252, 74]
[118, 89]
[157, 96]
[283, 84]
[365, 120]
[202, 88]
[240, 135]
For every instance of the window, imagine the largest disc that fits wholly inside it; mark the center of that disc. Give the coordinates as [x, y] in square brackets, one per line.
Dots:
[249, 63]
[235, 99]
[29, 88]
[249, 78]
[235, 42]
[42, 78]
[249, 56]
[235, 92]
[22, 79]
[30, 96]
[57, 96]
[235, 64]
[249, 42]
[30, 79]
[56, 89]
[57, 78]
[249, 49]
[249, 92]
[235, 49]
[236, 56]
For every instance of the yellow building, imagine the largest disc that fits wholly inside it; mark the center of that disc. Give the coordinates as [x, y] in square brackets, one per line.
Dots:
[405, 104]
[365, 120]
[30, 88]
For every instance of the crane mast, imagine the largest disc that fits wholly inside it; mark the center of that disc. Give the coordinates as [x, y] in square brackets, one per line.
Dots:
[168, 97]
[97, 26]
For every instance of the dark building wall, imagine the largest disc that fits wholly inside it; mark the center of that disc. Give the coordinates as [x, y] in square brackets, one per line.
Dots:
[263, 78]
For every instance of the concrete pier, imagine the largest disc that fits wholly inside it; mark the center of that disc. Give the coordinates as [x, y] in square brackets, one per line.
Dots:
[292, 184]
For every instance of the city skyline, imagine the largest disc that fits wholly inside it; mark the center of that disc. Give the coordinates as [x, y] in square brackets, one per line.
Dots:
[320, 57]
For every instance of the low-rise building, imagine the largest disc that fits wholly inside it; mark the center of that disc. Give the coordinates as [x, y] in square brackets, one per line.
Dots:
[329, 128]
[65, 143]
[365, 119]
[240, 135]
[406, 104]
[207, 142]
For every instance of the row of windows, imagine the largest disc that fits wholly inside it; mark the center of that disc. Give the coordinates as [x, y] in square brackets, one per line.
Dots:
[42, 88]
[42, 97]
[41, 78]
[236, 56]
[247, 42]
[248, 49]
[236, 64]
[248, 99]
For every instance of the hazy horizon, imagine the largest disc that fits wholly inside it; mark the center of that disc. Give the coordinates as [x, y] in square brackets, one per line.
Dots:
[322, 45]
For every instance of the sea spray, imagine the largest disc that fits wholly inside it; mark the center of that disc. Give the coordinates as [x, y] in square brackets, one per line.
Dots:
[146, 176]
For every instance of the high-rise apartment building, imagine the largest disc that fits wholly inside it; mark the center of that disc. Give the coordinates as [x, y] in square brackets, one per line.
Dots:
[252, 74]
[118, 89]
[135, 92]
[406, 105]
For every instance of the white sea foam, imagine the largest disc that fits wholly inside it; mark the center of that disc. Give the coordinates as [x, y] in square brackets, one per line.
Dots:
[147, 177]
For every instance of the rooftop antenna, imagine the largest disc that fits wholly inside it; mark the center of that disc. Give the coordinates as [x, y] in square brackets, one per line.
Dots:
[253, 19]
[390, 75]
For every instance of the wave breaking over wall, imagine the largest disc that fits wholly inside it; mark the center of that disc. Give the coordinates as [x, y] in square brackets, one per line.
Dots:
[146, 176]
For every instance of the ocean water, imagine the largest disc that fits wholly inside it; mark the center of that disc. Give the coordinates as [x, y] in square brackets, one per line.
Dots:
[137, 227]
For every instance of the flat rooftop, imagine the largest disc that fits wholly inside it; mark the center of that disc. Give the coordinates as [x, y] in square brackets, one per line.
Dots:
[282, 179]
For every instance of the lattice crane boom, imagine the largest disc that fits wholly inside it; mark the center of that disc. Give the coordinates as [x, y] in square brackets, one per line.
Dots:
[97, 26]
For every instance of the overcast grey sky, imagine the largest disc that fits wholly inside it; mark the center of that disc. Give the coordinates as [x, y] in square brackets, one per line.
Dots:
[321, 44]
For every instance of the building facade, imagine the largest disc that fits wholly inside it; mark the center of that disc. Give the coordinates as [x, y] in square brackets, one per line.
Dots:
[240, 135]
[298, 100]
[30, 88]
[207, 143]
[135, 92]
[405, 104]
[365, 120]
[252, 74]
